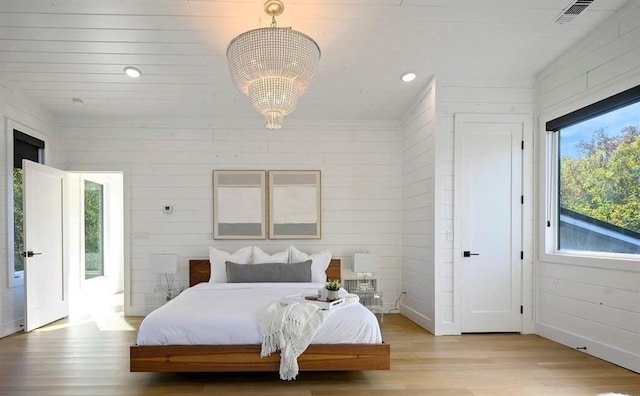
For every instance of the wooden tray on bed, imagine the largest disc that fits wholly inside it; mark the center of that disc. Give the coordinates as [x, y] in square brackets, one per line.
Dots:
[219, 358]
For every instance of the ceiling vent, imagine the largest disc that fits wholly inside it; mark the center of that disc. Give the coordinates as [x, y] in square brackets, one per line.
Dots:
[572, 10]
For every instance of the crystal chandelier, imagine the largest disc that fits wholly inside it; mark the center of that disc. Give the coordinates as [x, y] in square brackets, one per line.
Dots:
[273, 66]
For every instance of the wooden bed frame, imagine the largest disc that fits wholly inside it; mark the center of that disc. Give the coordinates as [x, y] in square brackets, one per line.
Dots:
[241, 358]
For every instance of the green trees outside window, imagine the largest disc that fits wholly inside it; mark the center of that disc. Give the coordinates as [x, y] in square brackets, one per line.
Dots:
[604, 182]
[599, 182]
[18, 221]
[93, 229]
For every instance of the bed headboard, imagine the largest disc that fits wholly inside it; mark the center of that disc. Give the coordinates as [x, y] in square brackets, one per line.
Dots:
[200, 270]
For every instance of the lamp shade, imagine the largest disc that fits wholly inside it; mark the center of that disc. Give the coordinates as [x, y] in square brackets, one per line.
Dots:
[365, 262]
[163, 263]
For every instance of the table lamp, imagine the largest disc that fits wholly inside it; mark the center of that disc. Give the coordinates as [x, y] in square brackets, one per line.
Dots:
[364, 265]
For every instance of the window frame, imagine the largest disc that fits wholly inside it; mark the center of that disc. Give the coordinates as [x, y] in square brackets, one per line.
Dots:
[550, 123]
[16, 278]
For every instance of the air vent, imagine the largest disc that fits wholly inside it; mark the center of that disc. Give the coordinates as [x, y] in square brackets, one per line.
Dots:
[572, 10]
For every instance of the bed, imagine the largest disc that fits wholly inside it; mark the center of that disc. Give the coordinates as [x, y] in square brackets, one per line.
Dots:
[246, 357]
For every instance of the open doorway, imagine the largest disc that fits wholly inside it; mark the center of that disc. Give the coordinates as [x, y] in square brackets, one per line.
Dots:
[96, 246]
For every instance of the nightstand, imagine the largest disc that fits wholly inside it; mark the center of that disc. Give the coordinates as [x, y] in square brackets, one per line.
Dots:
[369, 296]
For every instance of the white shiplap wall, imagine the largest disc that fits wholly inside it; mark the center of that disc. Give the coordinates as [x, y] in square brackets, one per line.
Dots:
[428, 174]
[24, 112]
[589, 302]
[418, 201]
[170, 162]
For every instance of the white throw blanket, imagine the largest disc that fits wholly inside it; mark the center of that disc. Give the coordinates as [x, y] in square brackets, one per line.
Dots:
[290, 329]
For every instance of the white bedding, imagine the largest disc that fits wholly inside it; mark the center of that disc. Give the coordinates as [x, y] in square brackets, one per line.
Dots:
[227, 314]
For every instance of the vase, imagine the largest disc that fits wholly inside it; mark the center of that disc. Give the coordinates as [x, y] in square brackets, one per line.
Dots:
[332, 295]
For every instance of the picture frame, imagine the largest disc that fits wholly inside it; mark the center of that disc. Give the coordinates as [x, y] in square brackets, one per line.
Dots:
[294, 204]
[239, 204]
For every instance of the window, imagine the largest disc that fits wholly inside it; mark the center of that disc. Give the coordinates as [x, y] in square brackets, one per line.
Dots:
[18, 221]
[596, 204]
[93, 230]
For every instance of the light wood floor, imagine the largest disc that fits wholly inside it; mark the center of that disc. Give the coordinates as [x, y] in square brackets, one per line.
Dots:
[77, 358]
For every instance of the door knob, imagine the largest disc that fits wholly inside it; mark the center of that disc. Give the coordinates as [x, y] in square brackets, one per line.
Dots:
[29, 253]
[467, 253]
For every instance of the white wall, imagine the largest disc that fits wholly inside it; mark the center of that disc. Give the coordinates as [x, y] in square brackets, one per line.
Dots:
[24, 112]
[418, 207]
[589, 302]
[171, 163]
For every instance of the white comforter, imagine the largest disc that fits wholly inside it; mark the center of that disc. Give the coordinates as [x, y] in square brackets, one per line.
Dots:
[227, 314]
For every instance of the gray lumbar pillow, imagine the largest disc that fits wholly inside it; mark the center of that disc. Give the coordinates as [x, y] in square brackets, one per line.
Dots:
[268, 272]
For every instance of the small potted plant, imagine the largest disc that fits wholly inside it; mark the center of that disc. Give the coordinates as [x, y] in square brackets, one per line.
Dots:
[333, 287]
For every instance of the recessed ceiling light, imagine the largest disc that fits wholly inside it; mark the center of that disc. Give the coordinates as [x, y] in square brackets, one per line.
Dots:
[132, 72]
[408, 77]
[77, 101]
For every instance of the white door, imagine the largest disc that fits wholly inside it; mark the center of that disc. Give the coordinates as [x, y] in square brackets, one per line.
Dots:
[46, 294]
[488, 207]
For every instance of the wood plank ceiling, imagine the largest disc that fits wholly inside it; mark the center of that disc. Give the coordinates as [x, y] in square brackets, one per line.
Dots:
[56, 50]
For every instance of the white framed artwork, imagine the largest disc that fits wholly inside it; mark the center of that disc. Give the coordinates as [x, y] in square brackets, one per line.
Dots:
[294, 204]
[239, 204]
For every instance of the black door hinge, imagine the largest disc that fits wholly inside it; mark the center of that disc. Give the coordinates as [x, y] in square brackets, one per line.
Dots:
[521, 255]
[522, 199]
[521, 310]
[523, 144]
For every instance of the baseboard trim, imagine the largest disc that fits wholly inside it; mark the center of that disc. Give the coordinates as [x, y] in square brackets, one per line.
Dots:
[11, 328]
[415, 316]
[597, 349]
[138, 310]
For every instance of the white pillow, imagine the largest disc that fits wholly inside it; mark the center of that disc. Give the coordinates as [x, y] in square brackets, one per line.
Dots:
[218, 258]
[260, 257]
[319, 262]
